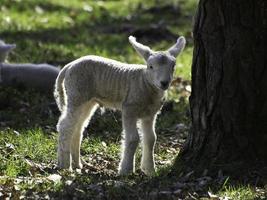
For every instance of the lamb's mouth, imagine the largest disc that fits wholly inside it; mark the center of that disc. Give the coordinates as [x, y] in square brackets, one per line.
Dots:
[162, 88]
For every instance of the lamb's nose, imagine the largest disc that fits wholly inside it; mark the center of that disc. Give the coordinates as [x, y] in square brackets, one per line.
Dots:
[164, 84]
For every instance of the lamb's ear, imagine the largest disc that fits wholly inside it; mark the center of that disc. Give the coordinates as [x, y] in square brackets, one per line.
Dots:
[143, 50]
[176, 49]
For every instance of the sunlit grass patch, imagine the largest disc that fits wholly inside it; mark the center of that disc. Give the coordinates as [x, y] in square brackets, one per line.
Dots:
[60, 31]
[20, 151]
[238, 192]
[184, 62]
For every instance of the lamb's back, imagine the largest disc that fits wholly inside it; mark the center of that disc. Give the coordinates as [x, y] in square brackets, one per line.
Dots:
[107, 80]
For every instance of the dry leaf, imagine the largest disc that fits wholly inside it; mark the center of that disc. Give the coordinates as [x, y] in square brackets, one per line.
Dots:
[55, 178]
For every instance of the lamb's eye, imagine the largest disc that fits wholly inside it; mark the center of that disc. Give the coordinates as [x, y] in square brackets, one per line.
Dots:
[150, 67]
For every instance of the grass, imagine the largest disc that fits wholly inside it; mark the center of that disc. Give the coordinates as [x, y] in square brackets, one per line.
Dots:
[102, 31]
[240, 192]
[59, 31]
[21, 147]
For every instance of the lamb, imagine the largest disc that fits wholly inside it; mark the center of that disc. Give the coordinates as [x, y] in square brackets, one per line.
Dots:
[39, 76]
[136, 90]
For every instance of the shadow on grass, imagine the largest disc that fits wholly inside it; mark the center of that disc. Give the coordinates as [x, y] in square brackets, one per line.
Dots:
[106, 185]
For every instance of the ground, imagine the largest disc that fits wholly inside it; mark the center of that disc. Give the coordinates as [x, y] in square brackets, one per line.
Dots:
[57, 32]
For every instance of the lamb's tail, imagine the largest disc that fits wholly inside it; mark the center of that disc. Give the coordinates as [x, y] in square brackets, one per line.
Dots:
[59, 90]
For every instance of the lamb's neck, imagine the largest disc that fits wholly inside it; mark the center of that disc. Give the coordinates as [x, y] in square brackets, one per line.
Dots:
[157, 93]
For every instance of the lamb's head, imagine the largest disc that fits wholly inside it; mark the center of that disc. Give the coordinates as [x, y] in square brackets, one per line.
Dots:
[160, 64]
[4, 50]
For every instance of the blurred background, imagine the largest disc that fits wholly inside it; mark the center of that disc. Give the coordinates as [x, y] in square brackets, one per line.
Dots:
[57, 32]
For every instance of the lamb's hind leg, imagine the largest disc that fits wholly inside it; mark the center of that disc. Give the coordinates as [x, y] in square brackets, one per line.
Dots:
[148, 142]
[66, 127]
[130, 143]
[86, 111]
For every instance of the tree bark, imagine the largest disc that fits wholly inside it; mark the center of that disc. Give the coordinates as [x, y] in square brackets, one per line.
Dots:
[229, 86]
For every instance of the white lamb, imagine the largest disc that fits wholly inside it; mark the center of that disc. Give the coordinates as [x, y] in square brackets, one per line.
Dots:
[136, 90]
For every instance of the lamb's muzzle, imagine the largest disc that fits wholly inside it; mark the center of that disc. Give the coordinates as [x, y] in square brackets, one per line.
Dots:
[136, 90]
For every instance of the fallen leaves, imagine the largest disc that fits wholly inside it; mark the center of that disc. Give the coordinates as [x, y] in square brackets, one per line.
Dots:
[56, 178]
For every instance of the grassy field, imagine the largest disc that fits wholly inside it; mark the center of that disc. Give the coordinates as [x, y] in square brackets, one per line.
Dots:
[59, 31]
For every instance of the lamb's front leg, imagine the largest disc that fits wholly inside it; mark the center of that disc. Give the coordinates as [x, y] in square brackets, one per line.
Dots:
[129, 145]
[148, 143]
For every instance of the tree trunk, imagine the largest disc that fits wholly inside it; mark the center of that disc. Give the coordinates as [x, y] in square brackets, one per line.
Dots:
[229, 86]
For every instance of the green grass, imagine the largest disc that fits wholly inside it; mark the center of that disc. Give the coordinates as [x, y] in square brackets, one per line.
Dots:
[238, 192]
[36, 24]
[19, 149]
[57, 32]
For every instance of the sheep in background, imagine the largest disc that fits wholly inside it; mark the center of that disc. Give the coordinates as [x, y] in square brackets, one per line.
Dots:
[136, 90]
[5, 49]
[41, 77]
[38, 76]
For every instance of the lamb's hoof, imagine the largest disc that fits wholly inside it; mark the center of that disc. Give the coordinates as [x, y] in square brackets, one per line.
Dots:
[64, 165]
[124, 172]
[78, 166]
[63, 160]
[60, 166]
[149, 171]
